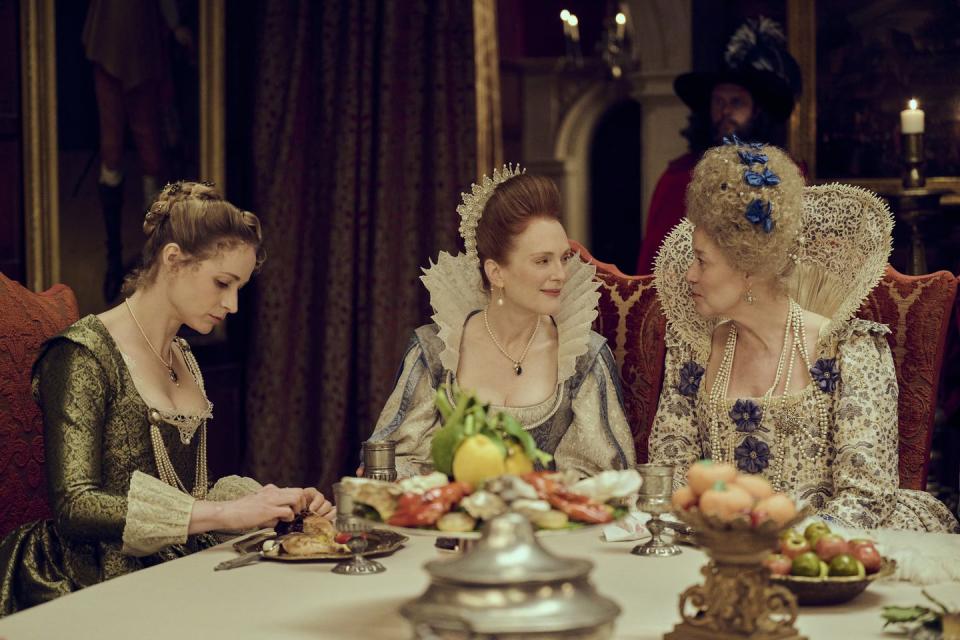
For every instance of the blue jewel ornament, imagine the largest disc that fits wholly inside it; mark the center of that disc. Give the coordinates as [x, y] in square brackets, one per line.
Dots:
[746, 414]
[766, 179]
[753, 455]
[690, 375]
[750, 158]
[826, 374]
[758, 212]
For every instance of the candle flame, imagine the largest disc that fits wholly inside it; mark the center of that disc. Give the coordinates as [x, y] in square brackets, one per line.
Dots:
[573, 20]
[621, 19]
[565, 15]
[913, 104]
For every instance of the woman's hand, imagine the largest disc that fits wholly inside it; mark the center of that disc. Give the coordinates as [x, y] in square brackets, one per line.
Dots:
[319, 505]
[262, 509]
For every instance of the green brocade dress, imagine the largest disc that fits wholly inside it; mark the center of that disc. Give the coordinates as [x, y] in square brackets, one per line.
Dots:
[111, 513]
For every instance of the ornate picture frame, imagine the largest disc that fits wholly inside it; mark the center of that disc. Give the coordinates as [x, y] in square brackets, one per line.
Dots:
[40, 143]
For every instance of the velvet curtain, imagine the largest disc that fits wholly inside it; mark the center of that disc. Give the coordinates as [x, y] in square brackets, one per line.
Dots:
[364, 134]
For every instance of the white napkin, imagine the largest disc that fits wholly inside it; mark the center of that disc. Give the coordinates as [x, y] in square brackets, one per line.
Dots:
[630, 527]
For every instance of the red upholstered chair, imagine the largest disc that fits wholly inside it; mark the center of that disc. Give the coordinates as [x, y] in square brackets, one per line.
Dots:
[634, 325]
[26, 320]
[917, 309]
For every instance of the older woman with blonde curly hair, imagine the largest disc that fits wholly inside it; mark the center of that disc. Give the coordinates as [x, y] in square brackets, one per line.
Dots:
[767, 367]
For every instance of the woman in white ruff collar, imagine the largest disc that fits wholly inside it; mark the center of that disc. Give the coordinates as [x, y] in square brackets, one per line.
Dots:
[511, 323]
[767, 366]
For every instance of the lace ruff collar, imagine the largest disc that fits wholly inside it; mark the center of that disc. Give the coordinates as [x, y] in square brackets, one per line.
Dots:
[840, 255]
[456, 290]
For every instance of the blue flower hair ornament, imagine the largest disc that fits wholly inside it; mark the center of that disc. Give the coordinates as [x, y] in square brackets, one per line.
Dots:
[734, 140]
[750, 158]
[757, 179]
[758, 212]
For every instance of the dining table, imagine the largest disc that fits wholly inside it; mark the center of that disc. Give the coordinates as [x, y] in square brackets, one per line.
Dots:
[186, 598]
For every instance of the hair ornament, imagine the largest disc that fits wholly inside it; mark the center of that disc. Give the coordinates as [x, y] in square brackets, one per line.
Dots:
[735, 141]
[750, 158]
[473, 203]
[758, 212]
[757, 179]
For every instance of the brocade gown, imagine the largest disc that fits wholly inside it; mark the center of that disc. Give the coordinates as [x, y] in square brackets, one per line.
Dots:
[111, 513]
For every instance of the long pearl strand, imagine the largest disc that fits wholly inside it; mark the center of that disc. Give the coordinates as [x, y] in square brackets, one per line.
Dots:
[794, 338]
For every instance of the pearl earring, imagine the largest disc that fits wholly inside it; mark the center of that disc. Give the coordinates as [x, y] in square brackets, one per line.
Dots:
[748, 296]
[500, 298]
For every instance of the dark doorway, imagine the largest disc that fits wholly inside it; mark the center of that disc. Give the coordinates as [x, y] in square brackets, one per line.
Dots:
[615, 189]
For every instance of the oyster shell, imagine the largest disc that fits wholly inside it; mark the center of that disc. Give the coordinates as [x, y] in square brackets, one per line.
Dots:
[484, 505]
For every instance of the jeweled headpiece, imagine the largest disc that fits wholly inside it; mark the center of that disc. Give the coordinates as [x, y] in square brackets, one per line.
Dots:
[473, 203]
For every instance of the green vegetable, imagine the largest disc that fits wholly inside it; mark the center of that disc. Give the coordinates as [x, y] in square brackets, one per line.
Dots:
[469, 417]
[516, 430]
[916, 614]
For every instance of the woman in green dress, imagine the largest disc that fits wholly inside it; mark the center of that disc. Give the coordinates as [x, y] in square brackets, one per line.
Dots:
[125, 416]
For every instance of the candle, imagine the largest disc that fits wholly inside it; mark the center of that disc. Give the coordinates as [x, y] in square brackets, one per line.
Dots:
[574, 28]
[621, 20]
[565, 17]
[911, 119]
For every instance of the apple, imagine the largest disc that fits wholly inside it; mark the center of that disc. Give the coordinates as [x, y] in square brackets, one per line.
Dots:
[829, 546]
[814, 530]
[778, 564]
[808, 565]
[859, 542]
[792, 544]
[868, 555]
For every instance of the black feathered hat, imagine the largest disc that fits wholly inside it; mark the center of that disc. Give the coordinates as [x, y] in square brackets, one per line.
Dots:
[756, 59]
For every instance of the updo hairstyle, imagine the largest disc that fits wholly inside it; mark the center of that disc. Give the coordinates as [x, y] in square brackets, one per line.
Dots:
[514, 204]
[718, 198]
[200, 221]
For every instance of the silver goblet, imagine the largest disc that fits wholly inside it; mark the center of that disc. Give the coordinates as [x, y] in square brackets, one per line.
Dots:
[654, 498]
[349, 523]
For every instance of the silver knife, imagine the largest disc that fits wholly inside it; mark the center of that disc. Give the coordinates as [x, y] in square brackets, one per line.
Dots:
[269, 548]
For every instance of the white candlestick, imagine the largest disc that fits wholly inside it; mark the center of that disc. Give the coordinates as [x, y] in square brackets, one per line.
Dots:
[574, 28]
[911, 119]
[621, 21]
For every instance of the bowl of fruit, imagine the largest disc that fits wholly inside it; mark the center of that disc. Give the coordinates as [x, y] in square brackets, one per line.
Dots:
[821, 567]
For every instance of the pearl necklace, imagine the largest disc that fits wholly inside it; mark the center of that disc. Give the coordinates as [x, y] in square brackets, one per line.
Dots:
[794, 339]
[516, 363]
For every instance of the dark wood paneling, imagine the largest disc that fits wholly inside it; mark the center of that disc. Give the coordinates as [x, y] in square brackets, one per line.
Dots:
[11, 191]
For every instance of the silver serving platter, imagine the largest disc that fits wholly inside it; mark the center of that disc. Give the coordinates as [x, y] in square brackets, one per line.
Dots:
[381, 542]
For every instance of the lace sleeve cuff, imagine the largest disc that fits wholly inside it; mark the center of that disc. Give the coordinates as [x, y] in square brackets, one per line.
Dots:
[157, 515]
[233, 487]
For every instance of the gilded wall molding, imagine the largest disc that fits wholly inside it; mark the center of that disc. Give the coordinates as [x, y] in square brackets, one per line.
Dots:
[40, 146]
[40, 178]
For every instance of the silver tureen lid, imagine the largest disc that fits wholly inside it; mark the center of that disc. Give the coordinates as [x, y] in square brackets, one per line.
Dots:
[510, 585]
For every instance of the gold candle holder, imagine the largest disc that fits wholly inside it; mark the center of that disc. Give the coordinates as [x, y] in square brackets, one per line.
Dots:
[913, 161]
[737, 599]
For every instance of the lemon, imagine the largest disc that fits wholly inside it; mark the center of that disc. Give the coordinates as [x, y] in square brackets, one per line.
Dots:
[517, 461]
[477, 459]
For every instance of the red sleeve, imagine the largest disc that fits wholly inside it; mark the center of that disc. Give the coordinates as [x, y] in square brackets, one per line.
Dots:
[668, 206]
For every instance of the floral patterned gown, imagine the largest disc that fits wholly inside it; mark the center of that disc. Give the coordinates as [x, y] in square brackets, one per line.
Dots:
[848, 474]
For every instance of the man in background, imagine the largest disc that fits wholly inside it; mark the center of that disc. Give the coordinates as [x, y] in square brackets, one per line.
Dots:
[752, 96]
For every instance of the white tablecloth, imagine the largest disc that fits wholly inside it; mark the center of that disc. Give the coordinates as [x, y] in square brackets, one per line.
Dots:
[186, 599]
